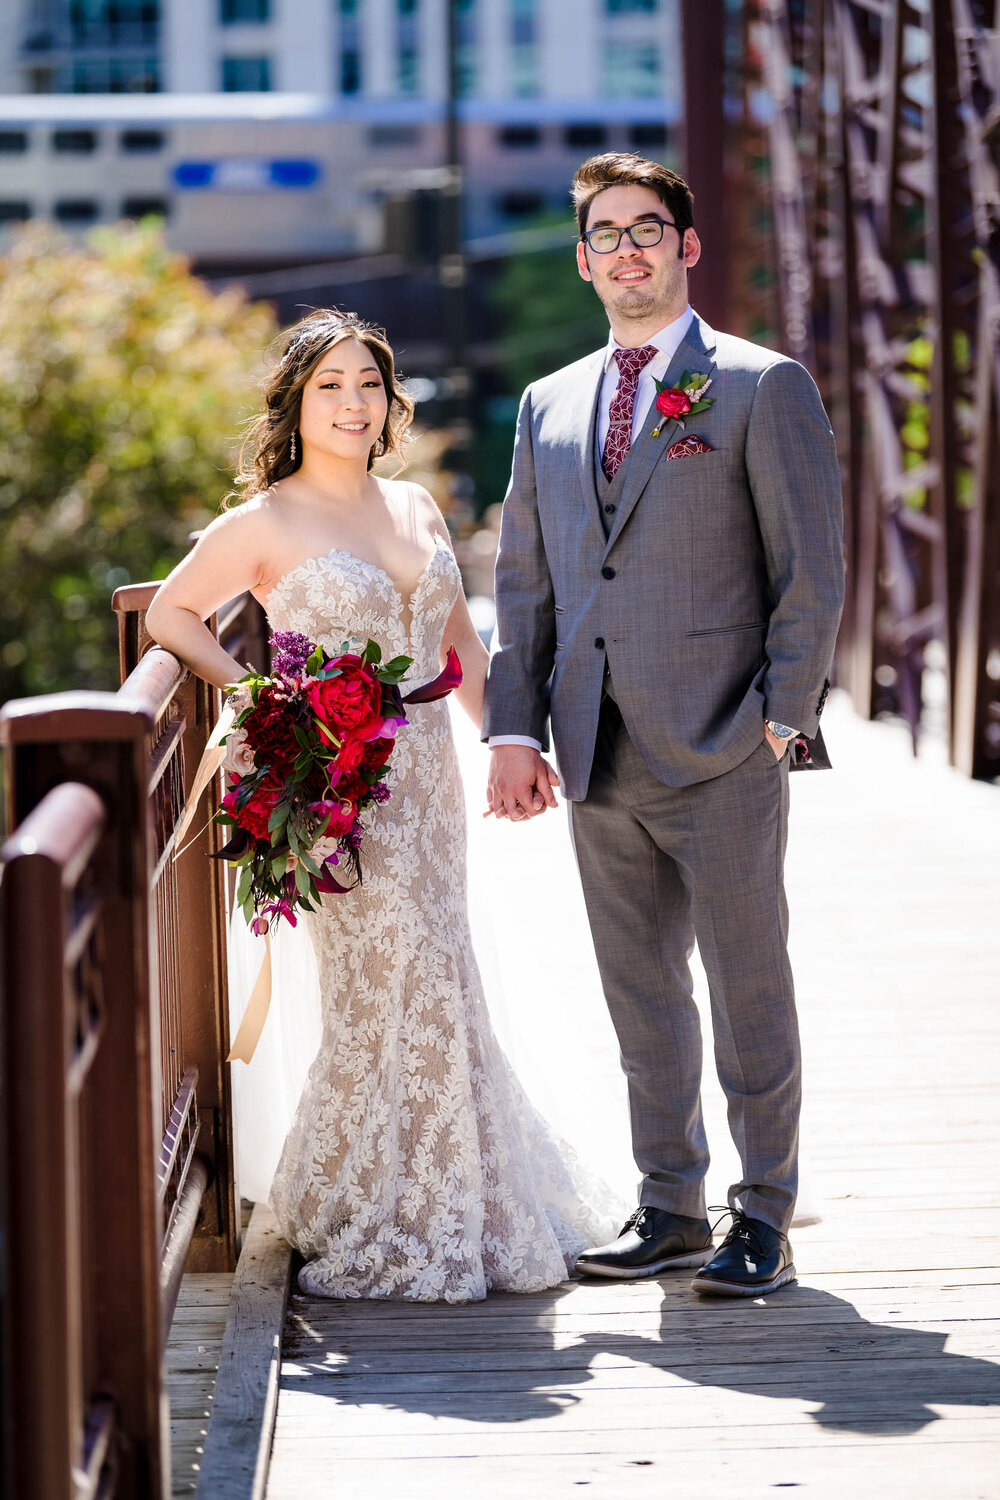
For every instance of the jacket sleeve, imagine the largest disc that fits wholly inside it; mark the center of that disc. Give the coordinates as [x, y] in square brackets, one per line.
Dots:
[794, 475]
[517, 688]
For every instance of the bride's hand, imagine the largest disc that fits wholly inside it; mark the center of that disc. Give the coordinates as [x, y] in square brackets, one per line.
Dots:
[521, 783]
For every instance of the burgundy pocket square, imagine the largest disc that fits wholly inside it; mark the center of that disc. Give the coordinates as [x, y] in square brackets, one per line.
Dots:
[685, 447]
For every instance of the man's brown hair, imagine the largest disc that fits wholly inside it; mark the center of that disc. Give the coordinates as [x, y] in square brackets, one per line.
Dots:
[625, 169]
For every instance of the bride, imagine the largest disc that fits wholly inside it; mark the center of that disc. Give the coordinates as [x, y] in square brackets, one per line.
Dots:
[415, 1166]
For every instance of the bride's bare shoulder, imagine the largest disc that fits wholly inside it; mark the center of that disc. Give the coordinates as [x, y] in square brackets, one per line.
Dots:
[413, 499]
[250, 526]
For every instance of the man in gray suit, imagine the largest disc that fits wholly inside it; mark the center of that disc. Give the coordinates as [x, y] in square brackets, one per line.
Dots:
[669, 586]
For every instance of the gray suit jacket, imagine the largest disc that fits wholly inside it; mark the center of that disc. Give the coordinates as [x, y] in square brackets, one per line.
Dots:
[716, 594]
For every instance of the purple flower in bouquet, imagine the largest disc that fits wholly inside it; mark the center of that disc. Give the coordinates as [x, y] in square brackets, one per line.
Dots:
[289, 653]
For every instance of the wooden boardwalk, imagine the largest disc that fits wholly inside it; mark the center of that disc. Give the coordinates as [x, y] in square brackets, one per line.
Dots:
[193, 1349]
[879, 1373]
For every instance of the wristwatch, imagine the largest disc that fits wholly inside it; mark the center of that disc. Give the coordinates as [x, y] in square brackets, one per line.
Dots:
[780, 731]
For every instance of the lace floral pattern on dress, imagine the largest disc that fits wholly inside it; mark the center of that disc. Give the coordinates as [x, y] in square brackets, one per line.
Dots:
[415, 1167]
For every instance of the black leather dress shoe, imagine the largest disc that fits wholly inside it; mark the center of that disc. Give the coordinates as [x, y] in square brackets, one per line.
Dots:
[753, 1259]
[651, 1241]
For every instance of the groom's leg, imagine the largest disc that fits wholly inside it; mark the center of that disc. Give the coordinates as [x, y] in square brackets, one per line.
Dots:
[735, 856]
[640, 916]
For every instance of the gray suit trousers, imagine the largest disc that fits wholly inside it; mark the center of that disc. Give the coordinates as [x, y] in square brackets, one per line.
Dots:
[661, 867]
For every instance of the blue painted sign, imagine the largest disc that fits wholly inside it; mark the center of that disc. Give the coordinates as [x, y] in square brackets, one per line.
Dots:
[246, 174]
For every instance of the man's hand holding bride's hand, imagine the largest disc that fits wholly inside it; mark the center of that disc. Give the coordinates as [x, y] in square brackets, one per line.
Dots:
[521, 783]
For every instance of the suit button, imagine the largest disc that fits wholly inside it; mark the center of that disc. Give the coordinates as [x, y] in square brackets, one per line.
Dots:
[607, 572]
[609, 510]
[599, 643]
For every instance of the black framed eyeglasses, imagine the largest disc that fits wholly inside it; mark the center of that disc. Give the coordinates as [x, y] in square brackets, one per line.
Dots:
[643, 235]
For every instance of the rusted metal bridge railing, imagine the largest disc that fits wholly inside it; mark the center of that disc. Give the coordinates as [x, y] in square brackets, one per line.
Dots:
[116, 1167]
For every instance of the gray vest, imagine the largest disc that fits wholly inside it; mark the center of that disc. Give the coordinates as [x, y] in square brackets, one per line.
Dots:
[609, 491]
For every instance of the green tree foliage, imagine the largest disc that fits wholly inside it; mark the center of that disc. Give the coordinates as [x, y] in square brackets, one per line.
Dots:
[547, 317]
[123, 383]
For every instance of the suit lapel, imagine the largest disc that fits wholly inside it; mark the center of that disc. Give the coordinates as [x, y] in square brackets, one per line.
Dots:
[586, 433]
[694, 354]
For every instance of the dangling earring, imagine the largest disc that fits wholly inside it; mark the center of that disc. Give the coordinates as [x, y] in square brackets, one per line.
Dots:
[292, 449]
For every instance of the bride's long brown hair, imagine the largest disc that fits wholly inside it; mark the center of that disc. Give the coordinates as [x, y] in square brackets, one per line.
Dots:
[266, 450]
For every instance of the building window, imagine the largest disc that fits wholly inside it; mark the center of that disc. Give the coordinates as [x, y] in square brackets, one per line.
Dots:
[114, 75]
[350, 72]
[520, 204]
[350, 48]
[585, 135]
[14, 210]
[631, 70]
[13, 142]
[76, 210]
[524, 48]
[519, 137]
[246, 75]
[394, 135]
[142, 142]
[113, 23]
[74, 142]
[466, 48]
[237, 12]
[647, 135]
[143, 208]
[407, 47]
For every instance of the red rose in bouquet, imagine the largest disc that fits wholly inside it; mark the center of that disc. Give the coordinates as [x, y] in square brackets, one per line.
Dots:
[349, 758]
[350, 702]
[376, 753]
[256, 811]
[269, 731]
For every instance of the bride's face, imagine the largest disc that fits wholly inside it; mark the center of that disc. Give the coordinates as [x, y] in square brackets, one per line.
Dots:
[344, 402]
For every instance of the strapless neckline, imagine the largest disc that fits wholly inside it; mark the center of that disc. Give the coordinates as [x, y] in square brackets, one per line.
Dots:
[405, 597]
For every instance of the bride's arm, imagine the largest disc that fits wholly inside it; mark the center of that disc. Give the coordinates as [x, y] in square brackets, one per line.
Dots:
[228, 560]
[462, 634]
[459, 631]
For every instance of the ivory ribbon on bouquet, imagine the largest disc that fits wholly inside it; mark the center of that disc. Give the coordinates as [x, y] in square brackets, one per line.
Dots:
[248, 1035]
[212, 757]
[245, 1043]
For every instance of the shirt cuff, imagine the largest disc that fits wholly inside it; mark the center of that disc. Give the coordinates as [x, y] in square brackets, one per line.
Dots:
[515, 739]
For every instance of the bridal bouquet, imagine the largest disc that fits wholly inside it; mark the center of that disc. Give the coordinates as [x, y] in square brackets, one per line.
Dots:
[309, 752]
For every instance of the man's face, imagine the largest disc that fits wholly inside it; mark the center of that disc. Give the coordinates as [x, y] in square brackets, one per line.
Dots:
[637, 285]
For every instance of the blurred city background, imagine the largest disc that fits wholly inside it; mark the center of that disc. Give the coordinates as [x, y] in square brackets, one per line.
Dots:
[181, 178]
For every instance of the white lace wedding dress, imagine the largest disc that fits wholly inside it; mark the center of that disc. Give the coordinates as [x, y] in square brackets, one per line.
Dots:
[415, 1167]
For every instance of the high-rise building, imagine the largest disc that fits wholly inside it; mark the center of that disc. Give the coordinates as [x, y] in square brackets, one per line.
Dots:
[270, 130]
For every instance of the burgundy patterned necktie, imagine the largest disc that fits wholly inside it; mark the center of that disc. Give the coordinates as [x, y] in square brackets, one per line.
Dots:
[631, 363]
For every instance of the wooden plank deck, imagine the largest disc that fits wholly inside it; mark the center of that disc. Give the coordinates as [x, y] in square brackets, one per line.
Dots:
[879, 1372]
[193, 1348]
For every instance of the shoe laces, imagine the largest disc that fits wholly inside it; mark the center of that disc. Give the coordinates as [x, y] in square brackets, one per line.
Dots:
[742, 1228]
[635, 1221]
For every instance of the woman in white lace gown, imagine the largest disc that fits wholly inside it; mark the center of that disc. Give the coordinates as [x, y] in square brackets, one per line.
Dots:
[415, 1167]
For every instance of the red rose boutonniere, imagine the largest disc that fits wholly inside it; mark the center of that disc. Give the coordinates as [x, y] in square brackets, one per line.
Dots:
[675, 402]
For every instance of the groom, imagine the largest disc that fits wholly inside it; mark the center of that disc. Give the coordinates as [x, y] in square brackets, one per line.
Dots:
[668, 588]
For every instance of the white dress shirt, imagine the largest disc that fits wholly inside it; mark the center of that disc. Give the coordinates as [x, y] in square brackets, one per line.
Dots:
[667, 342]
